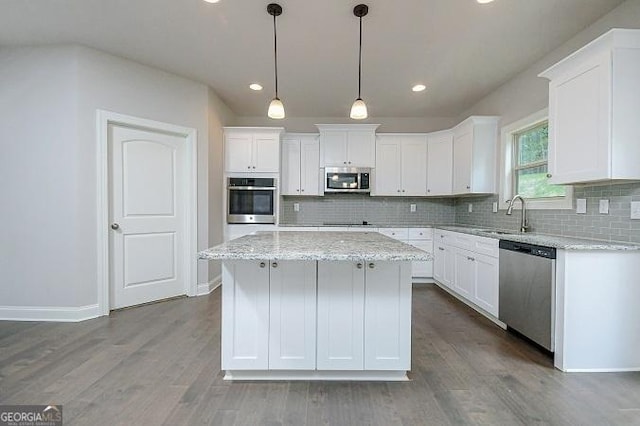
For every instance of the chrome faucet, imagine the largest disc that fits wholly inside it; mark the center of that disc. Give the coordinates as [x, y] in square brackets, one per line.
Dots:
[523, 222]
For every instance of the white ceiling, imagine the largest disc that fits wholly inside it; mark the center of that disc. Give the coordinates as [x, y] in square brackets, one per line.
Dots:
[460, 49]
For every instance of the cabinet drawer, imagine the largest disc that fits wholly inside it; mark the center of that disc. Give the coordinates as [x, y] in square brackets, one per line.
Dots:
[395, 233]
[486, 246]
[420, 233]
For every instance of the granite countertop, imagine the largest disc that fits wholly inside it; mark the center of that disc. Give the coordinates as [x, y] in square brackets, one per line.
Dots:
[351, 246]
[559, 242]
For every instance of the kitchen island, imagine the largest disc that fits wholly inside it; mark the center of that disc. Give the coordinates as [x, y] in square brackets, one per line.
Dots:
[316, 306]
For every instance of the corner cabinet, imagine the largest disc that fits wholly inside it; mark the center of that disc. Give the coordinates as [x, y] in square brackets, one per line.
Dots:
[347, 145]
[474, 155]
[401, 165]
[300, 164]
[594, 99]
[252, 149]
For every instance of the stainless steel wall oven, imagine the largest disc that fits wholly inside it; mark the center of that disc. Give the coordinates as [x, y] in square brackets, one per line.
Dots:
[251, 200]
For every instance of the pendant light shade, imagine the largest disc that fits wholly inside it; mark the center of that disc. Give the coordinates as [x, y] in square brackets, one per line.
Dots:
[276, 108]
[359, 108]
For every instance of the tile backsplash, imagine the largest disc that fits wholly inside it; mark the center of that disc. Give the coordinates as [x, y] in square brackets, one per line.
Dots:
[615, 226]
[356, 208]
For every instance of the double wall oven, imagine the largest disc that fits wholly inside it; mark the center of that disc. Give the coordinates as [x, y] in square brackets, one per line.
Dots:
[251, 200]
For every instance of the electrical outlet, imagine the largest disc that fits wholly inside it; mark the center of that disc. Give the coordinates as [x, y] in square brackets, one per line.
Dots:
[412, 207]
[495, 207]
[635, 210]
[296, 207]
[604, 207]
[470, 208]
[581, 206]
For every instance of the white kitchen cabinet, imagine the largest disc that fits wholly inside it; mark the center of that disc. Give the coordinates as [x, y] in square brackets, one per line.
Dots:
[300, 165]
[347, 145]
[464, 274]
[401, 165]
[594, 97]
[422, 269]
[252, 149]
[443, 259]
[245, 319]
[340, 328]
[421, 238]
[292, 318]
[387, 316]
[474, 155]
[440, 163]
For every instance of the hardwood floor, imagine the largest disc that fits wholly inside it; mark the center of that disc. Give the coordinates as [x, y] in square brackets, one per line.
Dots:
[160, 364]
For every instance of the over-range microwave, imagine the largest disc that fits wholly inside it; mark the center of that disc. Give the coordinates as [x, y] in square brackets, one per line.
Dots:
[347, 179]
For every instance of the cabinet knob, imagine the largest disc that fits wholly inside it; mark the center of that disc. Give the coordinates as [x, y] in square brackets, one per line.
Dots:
[115, 226]
[302, 190]
[398, 190]
[470, 258]
[428, 190]
[248, 167]
[372, 265]
[254, 167]
[468, 187]
[359, 265]
[549, 175]
[262, 264]
[344, 162]
[349, 162]
[403, 190]
[441, 248]
[274, 264]
[297, 190]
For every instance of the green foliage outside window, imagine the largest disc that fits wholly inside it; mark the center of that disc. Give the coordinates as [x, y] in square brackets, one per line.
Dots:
[531, 149]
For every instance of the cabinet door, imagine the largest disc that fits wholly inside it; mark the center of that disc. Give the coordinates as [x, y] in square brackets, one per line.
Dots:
[440, 165]
[245, 317]
[387, 316]
[361, 148]
[414, 166]
[464, 273]
[579, 123]
[238, 152]
[438, 262]
[462, 159]
[387, 172]
[292, 319]
[334, 147]
[290, 176]
[486, 283]
[449, 266]
[266, 153]
[340, 316]
[422, 269]
[309, 166]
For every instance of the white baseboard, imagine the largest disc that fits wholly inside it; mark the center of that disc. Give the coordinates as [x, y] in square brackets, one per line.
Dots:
[49, 313]
[204, 289]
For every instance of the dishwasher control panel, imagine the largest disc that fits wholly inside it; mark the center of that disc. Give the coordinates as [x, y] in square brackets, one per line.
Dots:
[530, 249]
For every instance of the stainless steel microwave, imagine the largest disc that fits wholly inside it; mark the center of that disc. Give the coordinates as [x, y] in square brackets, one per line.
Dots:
[347, 179]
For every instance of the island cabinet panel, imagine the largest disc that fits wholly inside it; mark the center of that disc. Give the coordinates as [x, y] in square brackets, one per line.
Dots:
[340, 316]
[387, 316]
[292, 323]
[245, 315]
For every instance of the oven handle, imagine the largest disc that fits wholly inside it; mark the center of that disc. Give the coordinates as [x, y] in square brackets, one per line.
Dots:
[244, 188]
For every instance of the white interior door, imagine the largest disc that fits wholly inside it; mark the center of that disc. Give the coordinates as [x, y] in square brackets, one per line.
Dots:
[147, 214]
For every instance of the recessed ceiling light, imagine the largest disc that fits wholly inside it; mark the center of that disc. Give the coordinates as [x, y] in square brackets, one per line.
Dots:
[255, 86]
[418, 87]
[484, 1]
[212, 1]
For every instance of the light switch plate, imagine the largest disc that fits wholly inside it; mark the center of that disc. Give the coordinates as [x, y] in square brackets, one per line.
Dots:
[296, 207]
[470, 208]
[581, 206]
[412, 207]
[604, 206]
[635, 210]
[495, 207]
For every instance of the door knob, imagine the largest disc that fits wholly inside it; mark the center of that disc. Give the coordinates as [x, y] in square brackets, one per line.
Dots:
[115, 226]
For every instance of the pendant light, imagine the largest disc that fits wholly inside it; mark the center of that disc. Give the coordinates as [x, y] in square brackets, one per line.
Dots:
[359, 108]
[276, 108]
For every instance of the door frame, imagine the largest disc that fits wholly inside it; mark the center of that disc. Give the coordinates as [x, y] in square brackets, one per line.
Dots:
[190, 224]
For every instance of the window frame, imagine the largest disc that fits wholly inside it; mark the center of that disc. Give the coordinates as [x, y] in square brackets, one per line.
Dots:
[508, 166]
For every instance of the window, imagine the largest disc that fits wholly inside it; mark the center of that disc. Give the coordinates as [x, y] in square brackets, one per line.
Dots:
[524, 149]
[530, 164]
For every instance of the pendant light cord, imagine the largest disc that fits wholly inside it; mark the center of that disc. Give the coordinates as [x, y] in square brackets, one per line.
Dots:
[360, 60]
[275, 51]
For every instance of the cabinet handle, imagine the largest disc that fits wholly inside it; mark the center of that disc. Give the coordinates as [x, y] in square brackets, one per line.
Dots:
[441, 236]
[249, 167]
[254, 167]
[302, 190]
[470, 258]
[115, 226]
[403, 190]
[372, 265]
[274, 264]
[359, 265]
[428, 190]
[344, 162]
[262, 264]
[398, 190]
[441, 248]
[468, 187]
[549, 175]
[349, 162]
[297, 190]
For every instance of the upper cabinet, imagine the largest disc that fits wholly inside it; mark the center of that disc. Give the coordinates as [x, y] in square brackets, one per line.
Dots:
[440, 163]
[252, 149]
[347, 145]
[474, 155]
[300, 164]
[401, 165]
[594, 100]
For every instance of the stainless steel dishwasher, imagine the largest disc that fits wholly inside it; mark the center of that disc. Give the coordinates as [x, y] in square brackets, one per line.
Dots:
[527, 290]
